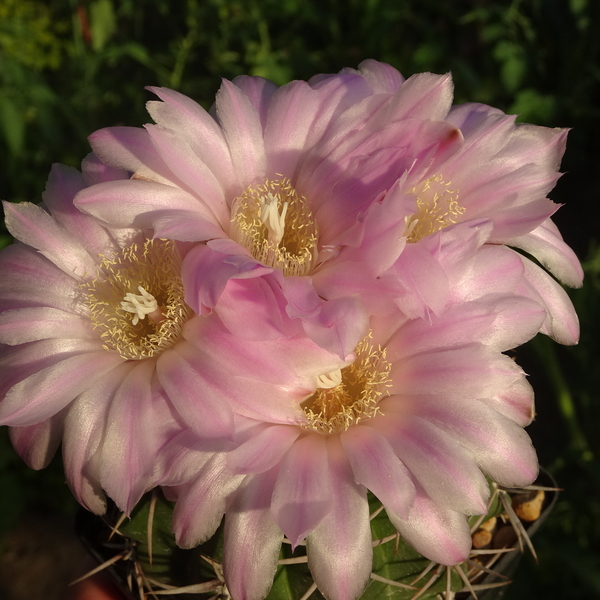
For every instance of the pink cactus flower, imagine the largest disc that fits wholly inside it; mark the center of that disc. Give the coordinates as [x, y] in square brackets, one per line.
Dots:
[99, 350]
[424, 410]
[318, 187]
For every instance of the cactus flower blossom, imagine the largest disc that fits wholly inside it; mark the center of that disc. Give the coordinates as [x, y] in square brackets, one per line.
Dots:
[317, 187]
[99, 349]
[422, 412]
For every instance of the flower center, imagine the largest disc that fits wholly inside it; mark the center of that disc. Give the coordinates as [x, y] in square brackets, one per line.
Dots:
[350, 395]
[275, 224]
[119, 313]
[437, 207]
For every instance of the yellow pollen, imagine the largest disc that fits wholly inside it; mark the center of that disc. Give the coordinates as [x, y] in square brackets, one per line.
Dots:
[356, 395]
[437, 207]
[276, 225]
[118, 312]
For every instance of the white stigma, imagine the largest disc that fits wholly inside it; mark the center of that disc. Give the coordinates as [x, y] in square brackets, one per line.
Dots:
[272, 219]
[329, 380]
[140, 305]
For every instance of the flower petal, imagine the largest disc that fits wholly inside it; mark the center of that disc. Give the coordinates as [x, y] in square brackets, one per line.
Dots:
[435, 531]
[340, 551]
[28, 279]
[133, 437]
[501, 447]
[130, 148]
[547, 245]
[252, 539]
[37, 444]
[243, 131]
[84, 429]
[377, 467]
[382, 78]
[19, 326]
[292, 111]
[186, 388]
[201, 503]
[142, 204]
[562, 323]
[201, 132]
[447, 470]
[302, 495]
[62, 186]
[263, 450]
[33, 226]
[46, 392]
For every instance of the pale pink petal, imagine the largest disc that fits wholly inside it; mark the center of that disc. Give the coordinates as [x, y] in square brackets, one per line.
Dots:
[336, 325]
[191, 171]
[338, 94]
[354, 278]
[446, 469]
[94, 171]
[84, 429]
[252, 539]
[424, 282]
[340, 551]
[381, 77]
[252, 392]
[37, 444]
[519, 220]
[140, 203]
[182, 225]
[562, 323]
[291, 115]
[62, 186]
[46, 392]
[377, 467]
[503, 322]
[243, 131]
[207, 269]
[182, 457]
[130, 440]
[201, 132]
[382, 238]
[259, 91]
[424, 96]
[18, 326]
[35, 227]
[131, 148]
[500, 446]
[547, 245]
[471, 371]
[186, 388]
[302, 496]
[435, 531]
[515, 402]
[492, 270]
[264, 380]
[29, 279]
[19, 362]
[260, 297]
[263, 450]
[201, 503]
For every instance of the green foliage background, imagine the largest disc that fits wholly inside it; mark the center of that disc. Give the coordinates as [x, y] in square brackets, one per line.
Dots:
[68, 68]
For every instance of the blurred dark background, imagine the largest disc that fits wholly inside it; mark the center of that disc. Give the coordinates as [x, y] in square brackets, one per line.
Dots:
[68, 68]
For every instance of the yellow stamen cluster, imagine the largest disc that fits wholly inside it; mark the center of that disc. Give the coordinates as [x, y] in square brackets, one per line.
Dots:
[276, 225]
[154, 267]
[437, 207]
[356, 398]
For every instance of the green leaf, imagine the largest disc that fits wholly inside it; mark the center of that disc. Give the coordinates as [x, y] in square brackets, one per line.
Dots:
[102, 23]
